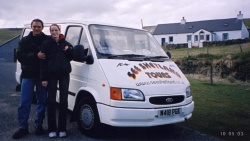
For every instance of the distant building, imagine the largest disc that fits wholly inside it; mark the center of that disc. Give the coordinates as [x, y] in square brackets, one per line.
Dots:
[195, 33]
[151, 29]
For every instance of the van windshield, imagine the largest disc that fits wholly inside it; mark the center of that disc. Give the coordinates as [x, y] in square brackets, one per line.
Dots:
[120, 42]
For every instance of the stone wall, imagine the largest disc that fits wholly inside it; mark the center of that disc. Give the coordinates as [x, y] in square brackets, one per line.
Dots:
[223, 67]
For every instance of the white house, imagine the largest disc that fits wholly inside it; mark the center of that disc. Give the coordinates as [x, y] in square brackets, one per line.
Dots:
[195, 33]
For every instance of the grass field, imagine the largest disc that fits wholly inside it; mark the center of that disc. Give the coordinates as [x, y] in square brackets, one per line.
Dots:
[7, 34]
[214, 50]
[221, 110]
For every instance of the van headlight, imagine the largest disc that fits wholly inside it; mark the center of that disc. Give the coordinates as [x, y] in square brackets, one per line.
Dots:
[126, 94]
[188, 92]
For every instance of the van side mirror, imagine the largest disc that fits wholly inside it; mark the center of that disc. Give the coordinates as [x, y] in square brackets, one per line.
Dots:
[89, 59]
[80, 55]
[169, 54]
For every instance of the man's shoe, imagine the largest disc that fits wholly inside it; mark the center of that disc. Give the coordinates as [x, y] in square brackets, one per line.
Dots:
[20, 133]
[39, 130]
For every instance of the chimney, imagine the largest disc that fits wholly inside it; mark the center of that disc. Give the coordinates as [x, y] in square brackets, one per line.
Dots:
[183, 20]
[240, 16]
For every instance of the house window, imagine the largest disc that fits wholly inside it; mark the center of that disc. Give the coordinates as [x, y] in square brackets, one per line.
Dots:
[207, 38]
[225, 36]
[196, 38]
[171, 39]
[201, 35]
[189, 38]
[163, 41]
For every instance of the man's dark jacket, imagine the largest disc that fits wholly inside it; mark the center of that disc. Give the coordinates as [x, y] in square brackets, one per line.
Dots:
[28, 48]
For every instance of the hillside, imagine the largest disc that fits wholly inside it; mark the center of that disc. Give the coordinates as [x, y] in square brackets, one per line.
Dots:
[8, 33]
[247, 23]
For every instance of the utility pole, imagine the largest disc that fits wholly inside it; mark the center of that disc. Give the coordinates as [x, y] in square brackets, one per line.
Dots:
[141, 24]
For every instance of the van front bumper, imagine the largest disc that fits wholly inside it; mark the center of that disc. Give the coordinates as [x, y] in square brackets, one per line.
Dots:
[133, 117]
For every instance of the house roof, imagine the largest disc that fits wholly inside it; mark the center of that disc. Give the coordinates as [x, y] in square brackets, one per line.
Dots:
[191, 27]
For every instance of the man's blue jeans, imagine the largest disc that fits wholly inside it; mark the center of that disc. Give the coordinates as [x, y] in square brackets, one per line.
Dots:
[26, 98]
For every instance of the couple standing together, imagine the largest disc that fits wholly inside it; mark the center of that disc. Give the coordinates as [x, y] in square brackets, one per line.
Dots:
[45, 62]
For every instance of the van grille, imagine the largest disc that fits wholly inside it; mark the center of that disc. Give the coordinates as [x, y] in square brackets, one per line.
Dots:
[166, 100]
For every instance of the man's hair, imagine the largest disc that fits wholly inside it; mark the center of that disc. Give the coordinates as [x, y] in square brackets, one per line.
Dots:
[37, 20]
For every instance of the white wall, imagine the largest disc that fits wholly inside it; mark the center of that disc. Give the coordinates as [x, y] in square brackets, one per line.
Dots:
[218, 36]
[177, 38]
[159, 37]
[245, 33]
[231, 35]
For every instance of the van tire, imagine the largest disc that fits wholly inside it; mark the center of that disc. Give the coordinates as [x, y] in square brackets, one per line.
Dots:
[88, 119]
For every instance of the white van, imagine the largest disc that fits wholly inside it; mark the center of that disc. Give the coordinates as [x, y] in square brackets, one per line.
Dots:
[121, 77]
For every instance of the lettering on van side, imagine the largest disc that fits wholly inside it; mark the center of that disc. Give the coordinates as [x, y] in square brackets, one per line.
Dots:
[136, 70]
[122, 64]
[158, 82]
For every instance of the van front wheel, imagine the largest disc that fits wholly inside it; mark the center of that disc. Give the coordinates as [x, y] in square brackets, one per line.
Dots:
[88, 118]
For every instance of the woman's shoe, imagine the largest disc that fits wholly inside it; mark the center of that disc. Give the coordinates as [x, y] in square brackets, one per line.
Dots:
[52, 135]
[62, 135]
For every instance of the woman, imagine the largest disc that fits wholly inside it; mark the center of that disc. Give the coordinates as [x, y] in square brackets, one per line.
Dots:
[56, 68]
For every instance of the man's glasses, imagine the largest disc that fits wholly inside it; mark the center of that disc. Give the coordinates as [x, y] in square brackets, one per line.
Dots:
[36, 26]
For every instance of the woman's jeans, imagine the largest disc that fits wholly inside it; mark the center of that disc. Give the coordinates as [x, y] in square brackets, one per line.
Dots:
[63, 80]
[27, 90]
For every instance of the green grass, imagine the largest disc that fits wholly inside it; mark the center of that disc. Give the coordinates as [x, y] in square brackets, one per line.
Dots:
[7, 34]
[221, 108]
[213, 50]
[247, 22]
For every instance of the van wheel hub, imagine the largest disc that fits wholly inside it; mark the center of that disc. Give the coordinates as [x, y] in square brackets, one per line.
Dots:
[87, 117]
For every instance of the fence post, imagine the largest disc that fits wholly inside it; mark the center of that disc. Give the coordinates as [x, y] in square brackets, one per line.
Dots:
[246, 78]
[211, 74]
[240, 48]
[207, 49]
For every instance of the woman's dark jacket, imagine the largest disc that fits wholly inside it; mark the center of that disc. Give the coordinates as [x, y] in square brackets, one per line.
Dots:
[57, 60]
[26, 53]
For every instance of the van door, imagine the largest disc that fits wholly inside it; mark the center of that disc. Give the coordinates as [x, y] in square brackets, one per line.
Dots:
[79, 74]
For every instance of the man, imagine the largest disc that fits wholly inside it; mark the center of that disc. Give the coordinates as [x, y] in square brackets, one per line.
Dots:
[28, 54]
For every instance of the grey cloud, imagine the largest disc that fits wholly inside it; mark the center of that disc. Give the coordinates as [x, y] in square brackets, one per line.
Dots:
[15, 13]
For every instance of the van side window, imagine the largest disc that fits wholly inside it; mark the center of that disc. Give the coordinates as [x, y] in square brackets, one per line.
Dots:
[26, 31]
[84, 41]
[73, 34]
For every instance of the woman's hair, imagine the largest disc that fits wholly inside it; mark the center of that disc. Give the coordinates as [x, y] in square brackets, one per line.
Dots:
[55, 25]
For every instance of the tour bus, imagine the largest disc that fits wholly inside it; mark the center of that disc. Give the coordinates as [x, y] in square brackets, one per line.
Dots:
[121, 77]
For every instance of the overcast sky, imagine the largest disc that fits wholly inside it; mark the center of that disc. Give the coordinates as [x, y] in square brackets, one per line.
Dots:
[16, 13]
